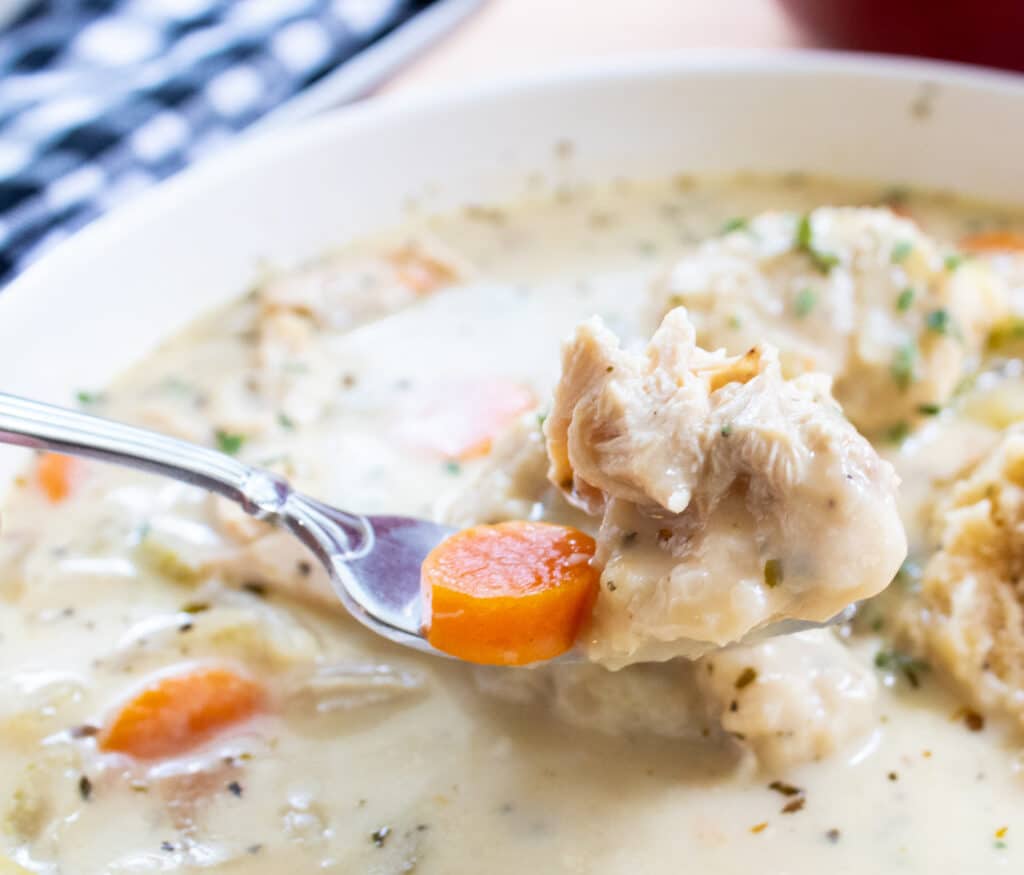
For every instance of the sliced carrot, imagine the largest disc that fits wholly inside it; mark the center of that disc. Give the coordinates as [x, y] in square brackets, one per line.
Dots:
[54, 473]
[459, 420]
[994, 241]
[509, 594]
[180, 712]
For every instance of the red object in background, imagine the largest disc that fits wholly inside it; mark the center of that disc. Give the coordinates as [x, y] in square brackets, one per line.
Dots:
[988, 32]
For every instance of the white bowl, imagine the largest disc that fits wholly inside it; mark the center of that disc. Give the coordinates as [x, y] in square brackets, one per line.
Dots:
[107, 296]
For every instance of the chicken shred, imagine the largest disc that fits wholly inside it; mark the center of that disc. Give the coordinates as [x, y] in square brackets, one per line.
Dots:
[715, 479]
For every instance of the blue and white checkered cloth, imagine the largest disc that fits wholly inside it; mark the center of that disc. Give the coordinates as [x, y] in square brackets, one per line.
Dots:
[99, 99]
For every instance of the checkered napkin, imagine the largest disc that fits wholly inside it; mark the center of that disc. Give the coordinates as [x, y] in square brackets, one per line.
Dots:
[99, 99]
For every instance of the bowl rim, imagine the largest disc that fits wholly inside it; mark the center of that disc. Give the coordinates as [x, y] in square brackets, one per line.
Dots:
[258, 145]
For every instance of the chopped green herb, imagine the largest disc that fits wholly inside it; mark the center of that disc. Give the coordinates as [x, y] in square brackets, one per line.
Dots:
[379, 836]
[737, 223]
[953, 261]
[999, 845]
[285, 421]
[823, 261]
[229, 443]
[746, 677]
[901, 663]
[901, 250]
[541, 417]
[452, 467]
[938, 321]
[85, 788]
[805, 301]
[905, 299]
[903, 365]
[726, 429]
[804, 233]
[929, 409]
[897, 433]
[195, 607]
[735, 323]
[773, 573]
[89, 398]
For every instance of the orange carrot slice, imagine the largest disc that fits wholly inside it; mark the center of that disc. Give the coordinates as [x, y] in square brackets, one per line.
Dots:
[994, 241]
[180, 712]
[509, 594]
[459, 420]
[54, 473]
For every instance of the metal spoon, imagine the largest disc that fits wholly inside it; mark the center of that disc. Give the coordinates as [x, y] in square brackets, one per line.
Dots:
[373, 561]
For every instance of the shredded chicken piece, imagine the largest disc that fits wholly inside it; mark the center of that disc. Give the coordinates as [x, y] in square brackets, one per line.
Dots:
[729, 497]
[968, 617]
[863, 296]
[789, 699]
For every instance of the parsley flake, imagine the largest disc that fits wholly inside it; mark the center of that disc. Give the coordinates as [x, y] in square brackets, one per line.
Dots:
[897, 433]
[823, 261]
[87, 399]
[736, 223]
[773, 573]
[903, 365]
[905, 299]
[804, 303]
[938, 321]
[229, 443]
[901, 250]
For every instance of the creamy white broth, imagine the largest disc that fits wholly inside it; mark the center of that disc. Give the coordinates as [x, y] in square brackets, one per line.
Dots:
[441, 778]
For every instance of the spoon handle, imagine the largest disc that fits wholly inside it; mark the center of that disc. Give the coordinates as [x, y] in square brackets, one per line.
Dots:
[33, 424]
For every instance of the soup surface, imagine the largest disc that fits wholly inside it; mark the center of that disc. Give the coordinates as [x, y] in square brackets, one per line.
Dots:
[378, 380]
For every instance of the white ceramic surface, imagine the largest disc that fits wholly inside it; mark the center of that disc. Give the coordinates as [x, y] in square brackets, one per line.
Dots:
[106, 297]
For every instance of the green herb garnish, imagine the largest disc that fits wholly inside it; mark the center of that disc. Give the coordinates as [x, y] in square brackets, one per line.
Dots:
[805, 301]
[938, 321]
[823, 261]
[229, 443]
[903, 363]
[88, 398]
[901, 663]
[929, 409]
[735, 323]
[726, 429]
[773, 573]
[897, 433]
[901, 250]
[285, 421]
[905, 299]
[452, 467]
[737, 223]
[953, 261]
